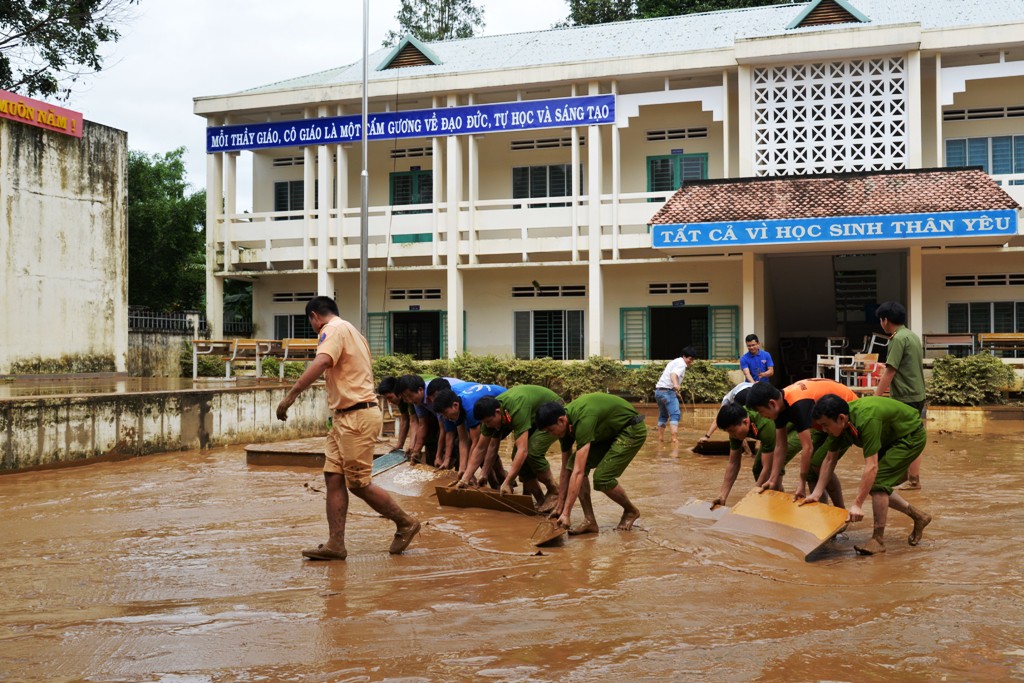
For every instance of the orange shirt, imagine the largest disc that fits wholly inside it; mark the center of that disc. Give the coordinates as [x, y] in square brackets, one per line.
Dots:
[800, 399]
[350, 378]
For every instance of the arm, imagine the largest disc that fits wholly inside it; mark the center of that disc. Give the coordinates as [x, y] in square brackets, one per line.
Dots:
[312, 374]
[806, 450]
[867, 480]
[445, 441]
[489, 460]
[575, 482]
[403, 430]
[827, 468]
[712, 428]
[885, 380]
[769, 371]
[731, 471]
[476, 458]
[419, 436]
[746, 371]
[522, 450]
[464, 446]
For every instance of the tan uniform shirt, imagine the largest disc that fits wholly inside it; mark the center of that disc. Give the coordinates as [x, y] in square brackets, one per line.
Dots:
[350, 378]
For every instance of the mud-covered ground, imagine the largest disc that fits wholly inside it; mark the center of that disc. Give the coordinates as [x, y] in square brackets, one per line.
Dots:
[186, 567]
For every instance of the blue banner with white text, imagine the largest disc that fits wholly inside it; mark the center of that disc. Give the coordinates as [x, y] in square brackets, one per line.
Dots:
[478, 119]
[836, 229]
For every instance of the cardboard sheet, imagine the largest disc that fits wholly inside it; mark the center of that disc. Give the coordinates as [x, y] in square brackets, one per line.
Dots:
[775, 515]
[487, 499]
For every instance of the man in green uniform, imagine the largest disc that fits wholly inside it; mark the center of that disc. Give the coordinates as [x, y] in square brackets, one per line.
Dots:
[607, 432]
[891, 435]
[742, 423]
[512, 413]
[904, 371]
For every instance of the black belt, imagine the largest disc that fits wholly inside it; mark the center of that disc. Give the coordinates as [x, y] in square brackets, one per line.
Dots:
[357, 406]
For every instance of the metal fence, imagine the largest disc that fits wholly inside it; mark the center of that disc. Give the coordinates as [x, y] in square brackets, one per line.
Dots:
[182, 322]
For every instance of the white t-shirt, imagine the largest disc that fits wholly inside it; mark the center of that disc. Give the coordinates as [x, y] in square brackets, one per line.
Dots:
[675, 367]
[731, 396]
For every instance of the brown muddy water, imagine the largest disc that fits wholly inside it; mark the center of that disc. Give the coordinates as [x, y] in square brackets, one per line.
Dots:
[186, 567]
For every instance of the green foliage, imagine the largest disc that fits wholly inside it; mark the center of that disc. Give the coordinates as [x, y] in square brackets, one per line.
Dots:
[46, 42]
[432, 20]
[704, 383]
[588, 12]
[639, 382]
[237, 300]
[207, 366]
[166, 241]
[393, 366]
[972, 381]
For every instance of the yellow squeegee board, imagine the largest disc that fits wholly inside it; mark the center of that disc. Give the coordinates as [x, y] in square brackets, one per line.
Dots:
[776, 515]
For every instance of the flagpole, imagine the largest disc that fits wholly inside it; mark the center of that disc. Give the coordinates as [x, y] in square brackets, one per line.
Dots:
[364, 182]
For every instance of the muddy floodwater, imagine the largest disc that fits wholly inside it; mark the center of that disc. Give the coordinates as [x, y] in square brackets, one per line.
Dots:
[186, 567]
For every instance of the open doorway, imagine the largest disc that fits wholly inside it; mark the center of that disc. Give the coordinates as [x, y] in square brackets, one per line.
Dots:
[675, 327]
[416, 333]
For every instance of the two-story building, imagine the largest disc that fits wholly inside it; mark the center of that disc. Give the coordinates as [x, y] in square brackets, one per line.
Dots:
[514, 180]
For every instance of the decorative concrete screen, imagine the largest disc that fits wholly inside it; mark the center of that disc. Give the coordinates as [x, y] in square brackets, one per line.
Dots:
[830, 117]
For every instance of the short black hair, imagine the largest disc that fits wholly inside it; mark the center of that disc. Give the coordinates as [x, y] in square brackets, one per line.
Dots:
[741, 397]
[730, 415]
[445, 399]
[893, 311]
[688, 352]
[321, 305]
[485, 407]
[830, 406]
[436, 385]
[409, 383]
[547, 414]
[388, 385]
[759, 395]
[753, 337]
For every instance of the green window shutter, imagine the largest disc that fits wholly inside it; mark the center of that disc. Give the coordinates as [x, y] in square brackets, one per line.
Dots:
[633, 327]
[660, 174]
[723, 332]
[522, 334]
[444, 334]
[424, 193]
[693, 167]
[574, 335]
[379, 334]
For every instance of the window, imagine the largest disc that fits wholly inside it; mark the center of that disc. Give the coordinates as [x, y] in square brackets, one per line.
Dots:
[543, 143]
[1002, 155]
[985, 280]
[676, 134]
[293, 327]
[538, 290]
[855, 291]
[292, 297]
[414, 294]
[986, 316]
[289, 195]
[548, 334]
[678, 288]
[412, 187]
[530, 182]
[668, 173]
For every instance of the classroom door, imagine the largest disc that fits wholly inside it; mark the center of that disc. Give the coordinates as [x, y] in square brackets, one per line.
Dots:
[417, 333]
[675, 327]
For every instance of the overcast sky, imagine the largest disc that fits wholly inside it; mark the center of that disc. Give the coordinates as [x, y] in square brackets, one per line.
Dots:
[173, 50]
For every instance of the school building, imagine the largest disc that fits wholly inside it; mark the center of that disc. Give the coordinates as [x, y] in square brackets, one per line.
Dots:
[828, 155]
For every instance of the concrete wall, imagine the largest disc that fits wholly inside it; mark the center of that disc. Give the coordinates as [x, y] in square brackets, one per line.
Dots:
[50, 431]
[155, 354]
[64, 249]
[939, 296]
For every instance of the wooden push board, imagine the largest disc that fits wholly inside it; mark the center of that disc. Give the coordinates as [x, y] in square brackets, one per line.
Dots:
[719, 447]
[776, 515]
[485, 498]
[701, 509]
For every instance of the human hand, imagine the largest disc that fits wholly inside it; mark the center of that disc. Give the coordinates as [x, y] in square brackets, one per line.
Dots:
[704, 439]
[768, 485]
[282, 408]
[813, 498]
[563, 521]
[856, 514]
[716, 502]
[506, 488]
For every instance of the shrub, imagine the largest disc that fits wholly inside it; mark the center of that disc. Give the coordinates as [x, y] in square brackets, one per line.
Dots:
[206, 366]
[975, 380]
[639, 382]
[394, 366]
[705, 383]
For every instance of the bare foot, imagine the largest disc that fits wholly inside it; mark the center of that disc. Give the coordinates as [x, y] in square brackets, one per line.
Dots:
[872, 547]
[911, 484]
[919, 524]
[585, 527]
[326, 551]
[628, 517]
[403, 537]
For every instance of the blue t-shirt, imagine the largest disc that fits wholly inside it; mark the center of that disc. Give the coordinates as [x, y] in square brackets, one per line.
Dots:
[426, 407]
[467, 399]
[757, 364]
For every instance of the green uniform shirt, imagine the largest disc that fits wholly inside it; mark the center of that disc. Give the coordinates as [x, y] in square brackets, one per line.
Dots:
[520, 403]
[761, 428]
[596, 417]
[876, 422]
[906, 355]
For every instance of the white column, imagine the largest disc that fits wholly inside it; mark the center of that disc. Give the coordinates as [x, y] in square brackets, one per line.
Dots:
[574, 132]
[595, 286]
[748, 314]
[214, 205]
[915, 134]
[915, 290]
[616, 182]
[324, 168]
[725, 124]
[745, 144]
[230, 171]
[308, 197]
[341, 179]
[940, 148]
[454, 275]
[438, 184]
[474, 192]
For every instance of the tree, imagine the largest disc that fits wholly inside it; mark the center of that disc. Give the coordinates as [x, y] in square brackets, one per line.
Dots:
[587, 12]
[166, 233]
[44, 43]
[431, 20]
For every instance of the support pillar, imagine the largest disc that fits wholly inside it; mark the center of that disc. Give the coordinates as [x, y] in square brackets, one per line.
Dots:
[214, 206]
[454, 275]
[915, 134]
[324, 169]
[745, 117]
[308, 201]
[230, 170]
[595, 278]
[748, 313]
[915, 289]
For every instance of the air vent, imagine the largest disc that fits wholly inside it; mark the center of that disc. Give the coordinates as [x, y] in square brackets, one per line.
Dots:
[414, 294]
[678, 288]
[543, 143]
[546, 291]
[292, 297]
[676, 134]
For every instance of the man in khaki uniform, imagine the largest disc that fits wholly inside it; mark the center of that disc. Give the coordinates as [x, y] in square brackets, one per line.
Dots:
[344, 355]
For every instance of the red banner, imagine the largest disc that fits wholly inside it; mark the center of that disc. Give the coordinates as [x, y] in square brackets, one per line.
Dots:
[40, 114]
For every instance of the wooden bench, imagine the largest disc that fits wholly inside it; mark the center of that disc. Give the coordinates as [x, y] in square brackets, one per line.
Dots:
[1001, 341]
[293, 349]
[254, 350]
[220, 348]
[943, 342]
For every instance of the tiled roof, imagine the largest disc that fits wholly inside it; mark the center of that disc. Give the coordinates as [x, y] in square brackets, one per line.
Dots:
[705, 31]
[841, 194]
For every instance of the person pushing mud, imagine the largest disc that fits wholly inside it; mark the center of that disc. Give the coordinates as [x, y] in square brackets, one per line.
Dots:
[608, 433]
